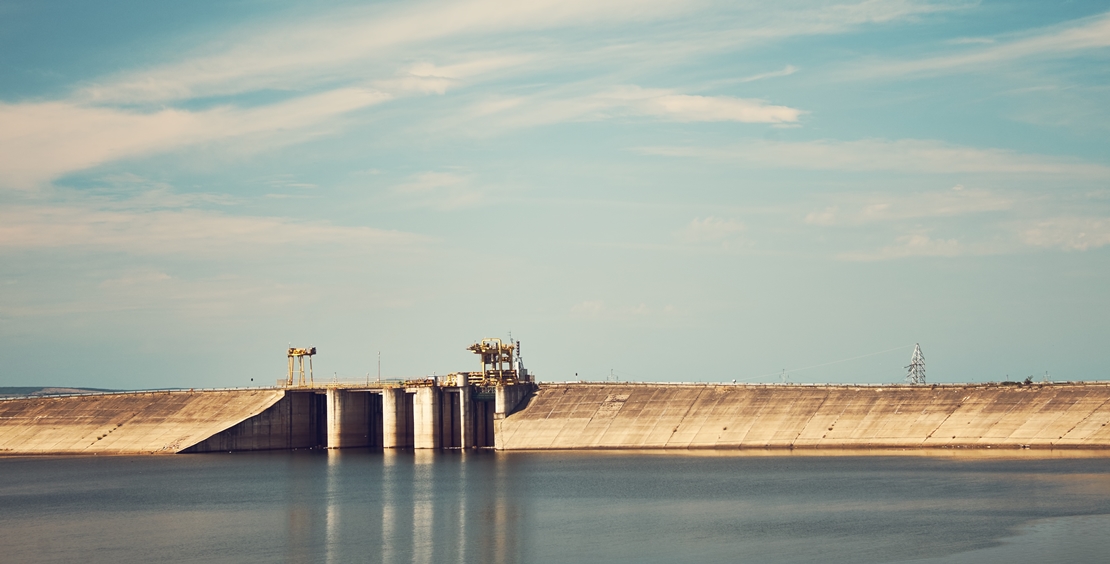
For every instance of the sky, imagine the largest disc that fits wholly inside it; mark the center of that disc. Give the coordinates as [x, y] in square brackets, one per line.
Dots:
[643, 190]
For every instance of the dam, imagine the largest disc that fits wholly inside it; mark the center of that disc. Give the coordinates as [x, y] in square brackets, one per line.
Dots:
[502, 407]
[443, 413]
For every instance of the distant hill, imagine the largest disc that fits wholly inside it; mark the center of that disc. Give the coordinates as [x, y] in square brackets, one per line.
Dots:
[34, 391]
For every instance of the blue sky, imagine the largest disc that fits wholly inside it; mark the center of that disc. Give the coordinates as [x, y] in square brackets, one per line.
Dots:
[662, 191]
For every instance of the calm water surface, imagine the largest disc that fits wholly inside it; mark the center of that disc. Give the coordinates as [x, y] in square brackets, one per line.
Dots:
[356, 506]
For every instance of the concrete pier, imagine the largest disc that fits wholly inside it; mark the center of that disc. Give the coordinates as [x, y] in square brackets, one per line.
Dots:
[397, 431]
[426, 417]
[354, 418]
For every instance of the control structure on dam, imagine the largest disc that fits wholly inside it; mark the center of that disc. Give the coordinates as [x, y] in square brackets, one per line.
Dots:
[459, 410]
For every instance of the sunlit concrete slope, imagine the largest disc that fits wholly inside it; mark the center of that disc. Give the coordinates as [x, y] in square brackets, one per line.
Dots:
[126, 423]
[576, 416]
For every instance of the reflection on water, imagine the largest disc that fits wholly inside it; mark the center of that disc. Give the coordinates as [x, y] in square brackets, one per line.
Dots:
[425, 507]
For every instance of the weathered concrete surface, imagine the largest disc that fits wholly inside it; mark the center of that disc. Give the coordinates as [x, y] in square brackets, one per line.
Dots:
[581, 416]
[125, 423]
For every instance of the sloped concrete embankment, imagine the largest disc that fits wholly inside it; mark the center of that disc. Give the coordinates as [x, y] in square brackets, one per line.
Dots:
[684, 416]
[138, 423]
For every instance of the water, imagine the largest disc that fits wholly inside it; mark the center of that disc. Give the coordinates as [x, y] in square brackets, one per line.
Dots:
[553, 507]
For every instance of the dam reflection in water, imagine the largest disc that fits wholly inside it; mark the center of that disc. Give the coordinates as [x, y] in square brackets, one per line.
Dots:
[422, 507]
[496, 507]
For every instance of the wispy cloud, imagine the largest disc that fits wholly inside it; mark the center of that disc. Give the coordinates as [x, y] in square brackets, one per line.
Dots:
[42, 140]
[1068, 233]
[194, 232]
[225, 296]
[786, 71]
[916, 245]
[324, 65]
[682, 107]
[904, 155]
[1057, 41]
[360, 42]
[286, 55]
[631, 101]
[428, 78]
[859, 209]
[711, 230]
[440, 190]
[588, 308]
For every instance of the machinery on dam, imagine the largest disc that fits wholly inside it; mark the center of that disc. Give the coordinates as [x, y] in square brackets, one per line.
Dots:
[299, 354]
[498, 367]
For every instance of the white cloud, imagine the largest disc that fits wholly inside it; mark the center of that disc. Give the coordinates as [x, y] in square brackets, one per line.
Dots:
[858, 209]
[1069, 233]
[588, 308]
[917, 245]
[786, 71]
[150, 291]
[42, 140]
[682, 107]
[904, 155]
[428, 78]
[441, 190]
[285, 56]
[626, 101]
[136, 278]
[181, 231]
[711, 230]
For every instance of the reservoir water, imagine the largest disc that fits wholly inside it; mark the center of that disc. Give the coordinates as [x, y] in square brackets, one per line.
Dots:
[359, 506]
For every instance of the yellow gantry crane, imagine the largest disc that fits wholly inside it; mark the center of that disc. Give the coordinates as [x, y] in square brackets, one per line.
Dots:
[299, 355]
[497, 363]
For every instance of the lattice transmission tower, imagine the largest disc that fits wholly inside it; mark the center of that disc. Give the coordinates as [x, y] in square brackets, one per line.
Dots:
[916, 370]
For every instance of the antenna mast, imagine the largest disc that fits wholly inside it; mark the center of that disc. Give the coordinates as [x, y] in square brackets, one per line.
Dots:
[916, 370]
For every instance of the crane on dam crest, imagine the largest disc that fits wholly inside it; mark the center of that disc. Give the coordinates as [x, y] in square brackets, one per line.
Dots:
[299, 354]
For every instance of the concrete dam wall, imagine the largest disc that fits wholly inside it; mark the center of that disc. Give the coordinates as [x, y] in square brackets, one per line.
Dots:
[563, 416]
[125, 423]
[689, 416]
